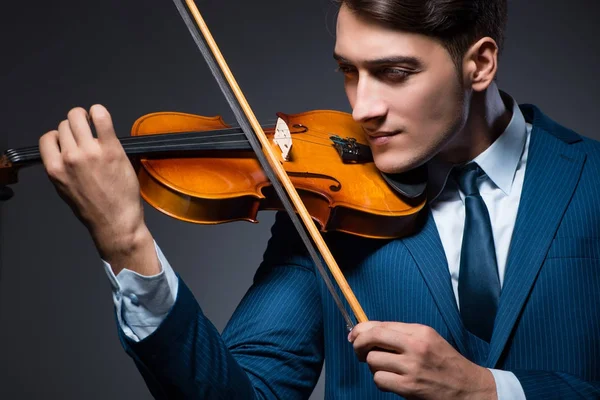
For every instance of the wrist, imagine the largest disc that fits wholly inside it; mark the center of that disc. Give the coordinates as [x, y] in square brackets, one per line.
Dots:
[133, 249]
[483, 385]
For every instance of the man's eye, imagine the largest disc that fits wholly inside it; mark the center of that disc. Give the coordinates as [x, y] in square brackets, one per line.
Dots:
[346, 69]
[397, 74]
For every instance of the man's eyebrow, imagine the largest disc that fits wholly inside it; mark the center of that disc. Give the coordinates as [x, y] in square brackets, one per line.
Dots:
[340, 59]
[408, 60]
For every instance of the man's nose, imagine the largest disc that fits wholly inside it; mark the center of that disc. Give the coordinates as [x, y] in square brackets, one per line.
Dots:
[369, 103]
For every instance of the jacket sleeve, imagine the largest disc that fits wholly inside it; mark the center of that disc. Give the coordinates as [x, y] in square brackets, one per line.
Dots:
[271, 348]
[556, 385]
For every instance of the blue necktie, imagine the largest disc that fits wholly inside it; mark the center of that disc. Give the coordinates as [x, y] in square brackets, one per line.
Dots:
[478, 281]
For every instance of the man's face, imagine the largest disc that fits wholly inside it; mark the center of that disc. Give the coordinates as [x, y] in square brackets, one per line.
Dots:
[403, 88]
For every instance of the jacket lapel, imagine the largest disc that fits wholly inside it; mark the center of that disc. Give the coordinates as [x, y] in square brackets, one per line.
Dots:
[427, 251]
[553, 171]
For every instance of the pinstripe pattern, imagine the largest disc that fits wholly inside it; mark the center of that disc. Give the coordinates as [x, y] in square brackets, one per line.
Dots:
[547, 328]
[543, 204]
[428, 253]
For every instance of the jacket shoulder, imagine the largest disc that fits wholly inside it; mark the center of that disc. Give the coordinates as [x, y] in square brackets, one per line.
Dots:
[538, 119]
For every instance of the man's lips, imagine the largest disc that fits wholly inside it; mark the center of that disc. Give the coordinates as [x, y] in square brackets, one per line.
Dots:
[377, 134]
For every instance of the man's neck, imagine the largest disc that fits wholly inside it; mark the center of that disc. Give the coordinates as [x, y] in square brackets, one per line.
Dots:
[488, 118]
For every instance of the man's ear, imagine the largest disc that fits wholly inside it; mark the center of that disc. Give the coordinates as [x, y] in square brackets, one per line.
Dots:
[480, 64]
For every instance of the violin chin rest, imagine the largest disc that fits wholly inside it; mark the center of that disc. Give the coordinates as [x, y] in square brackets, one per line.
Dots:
[411, 184]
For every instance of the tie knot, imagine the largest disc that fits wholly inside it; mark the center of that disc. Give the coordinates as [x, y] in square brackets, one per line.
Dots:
[466, 177]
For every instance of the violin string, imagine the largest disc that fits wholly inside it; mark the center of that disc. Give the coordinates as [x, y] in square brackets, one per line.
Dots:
[183, 141]
[150, 138]
[162, 146]
[182, 145]
[146, 148]
[169, 136]
[139, 139]
[128, 142]
[318, 132]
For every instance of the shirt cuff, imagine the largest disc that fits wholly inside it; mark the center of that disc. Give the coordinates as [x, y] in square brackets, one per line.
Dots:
[143, 302]
[508, 386]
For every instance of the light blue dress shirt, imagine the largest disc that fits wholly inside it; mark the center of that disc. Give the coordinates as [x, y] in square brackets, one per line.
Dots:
[142, 302]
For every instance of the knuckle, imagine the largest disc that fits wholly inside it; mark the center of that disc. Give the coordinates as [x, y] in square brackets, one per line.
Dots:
[95, 154]
[420, 347]
[427, 333]
[71, 158]
[410, 386]
[415, 367]
[381, 380]
[427, 330]
[55, 170]
[371, 357]
[114, 153]
[380, 334]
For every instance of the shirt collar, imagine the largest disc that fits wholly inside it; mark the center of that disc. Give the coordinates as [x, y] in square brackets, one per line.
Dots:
[499, 161]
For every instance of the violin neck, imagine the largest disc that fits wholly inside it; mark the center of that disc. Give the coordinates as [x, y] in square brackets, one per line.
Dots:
[158, 146]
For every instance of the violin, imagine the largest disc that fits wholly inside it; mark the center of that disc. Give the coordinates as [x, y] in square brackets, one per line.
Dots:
[201, 170]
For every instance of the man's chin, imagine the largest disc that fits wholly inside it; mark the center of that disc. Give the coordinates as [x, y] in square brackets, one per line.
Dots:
[389, 164]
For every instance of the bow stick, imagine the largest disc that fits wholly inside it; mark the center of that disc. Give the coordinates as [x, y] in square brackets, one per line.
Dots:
[268, 160]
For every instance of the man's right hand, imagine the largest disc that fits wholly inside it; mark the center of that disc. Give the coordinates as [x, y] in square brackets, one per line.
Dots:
[95, 177]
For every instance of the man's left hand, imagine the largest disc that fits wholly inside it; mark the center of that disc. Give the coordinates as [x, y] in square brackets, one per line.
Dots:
[414, 361]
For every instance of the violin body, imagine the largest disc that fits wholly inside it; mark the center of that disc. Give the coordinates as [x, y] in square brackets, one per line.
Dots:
[221, 186]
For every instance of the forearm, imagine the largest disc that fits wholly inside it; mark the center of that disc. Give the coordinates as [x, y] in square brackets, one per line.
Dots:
[271, 348]
[186, 357]
[262, 354]
[176, 349]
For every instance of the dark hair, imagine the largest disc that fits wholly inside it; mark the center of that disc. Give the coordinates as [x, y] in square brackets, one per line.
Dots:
[457, 24]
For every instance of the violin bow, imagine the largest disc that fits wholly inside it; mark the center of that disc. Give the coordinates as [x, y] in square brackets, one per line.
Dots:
[268, 160]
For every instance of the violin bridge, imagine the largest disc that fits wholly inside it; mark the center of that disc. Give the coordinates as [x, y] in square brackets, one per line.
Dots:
[283, 139]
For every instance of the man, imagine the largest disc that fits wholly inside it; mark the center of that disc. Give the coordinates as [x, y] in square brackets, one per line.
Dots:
[462, 316]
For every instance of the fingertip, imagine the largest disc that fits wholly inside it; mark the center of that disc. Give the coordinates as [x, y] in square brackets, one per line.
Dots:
[53, 134]
[356, 330]
[63, 126]
[99, 114]
[98, 109]
[102, 122]
[76, 110]
[48, 146]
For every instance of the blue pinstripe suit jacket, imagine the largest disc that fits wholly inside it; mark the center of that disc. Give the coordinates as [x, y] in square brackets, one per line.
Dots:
[547, 329]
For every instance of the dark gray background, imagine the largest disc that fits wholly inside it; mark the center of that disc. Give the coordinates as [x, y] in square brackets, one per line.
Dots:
[58, 336]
